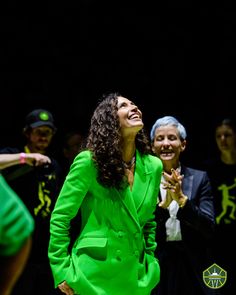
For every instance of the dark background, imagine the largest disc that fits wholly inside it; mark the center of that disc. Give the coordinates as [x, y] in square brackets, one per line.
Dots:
[173, 58]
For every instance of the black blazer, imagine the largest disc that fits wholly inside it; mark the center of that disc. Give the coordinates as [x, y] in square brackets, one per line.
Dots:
[197, 218]
[197, 222]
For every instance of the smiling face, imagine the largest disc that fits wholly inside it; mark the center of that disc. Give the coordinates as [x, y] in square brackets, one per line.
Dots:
[130, 117]
[167, 145]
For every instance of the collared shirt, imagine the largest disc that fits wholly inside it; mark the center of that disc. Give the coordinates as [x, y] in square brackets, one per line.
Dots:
[173, 229]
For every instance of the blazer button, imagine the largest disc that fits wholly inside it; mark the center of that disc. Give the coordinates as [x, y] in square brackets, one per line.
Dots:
[118, 255]
[120, 234]
[136, 253]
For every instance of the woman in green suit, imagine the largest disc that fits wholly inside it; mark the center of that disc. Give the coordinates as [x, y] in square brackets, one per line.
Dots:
[114, 185]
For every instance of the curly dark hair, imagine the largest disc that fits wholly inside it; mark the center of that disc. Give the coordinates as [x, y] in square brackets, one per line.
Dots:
[104, 141]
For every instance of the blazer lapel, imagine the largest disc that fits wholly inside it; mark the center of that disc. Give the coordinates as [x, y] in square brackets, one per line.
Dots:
[187, 182]
[142, 180]
[127, 200]
[133, 200]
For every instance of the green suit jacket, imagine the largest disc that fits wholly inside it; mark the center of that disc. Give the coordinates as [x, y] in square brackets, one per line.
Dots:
[114, 251]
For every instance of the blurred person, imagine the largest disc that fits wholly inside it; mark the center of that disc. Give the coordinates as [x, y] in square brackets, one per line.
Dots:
[72, 144]
[114, 182]
[38, 188]
[221, 169]
[16, 228]
[16, 224]
[185, 215]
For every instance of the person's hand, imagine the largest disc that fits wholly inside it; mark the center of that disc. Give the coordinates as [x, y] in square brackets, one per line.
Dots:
[166, 202]
[65, 288]
[36, 159]
[173, 185]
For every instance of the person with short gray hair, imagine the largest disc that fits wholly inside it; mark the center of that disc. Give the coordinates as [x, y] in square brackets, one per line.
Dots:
[184, 214]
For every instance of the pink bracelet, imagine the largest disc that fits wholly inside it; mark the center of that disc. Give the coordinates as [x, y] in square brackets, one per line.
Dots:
[22, 158]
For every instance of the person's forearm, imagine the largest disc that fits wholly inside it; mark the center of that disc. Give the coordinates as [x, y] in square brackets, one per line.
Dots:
[12, 267]
[9, 160]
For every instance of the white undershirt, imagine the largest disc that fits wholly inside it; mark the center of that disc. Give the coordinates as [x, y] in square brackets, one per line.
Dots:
[173, 230]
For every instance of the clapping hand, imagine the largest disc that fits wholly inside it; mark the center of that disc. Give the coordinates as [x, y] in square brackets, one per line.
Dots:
[173, 185]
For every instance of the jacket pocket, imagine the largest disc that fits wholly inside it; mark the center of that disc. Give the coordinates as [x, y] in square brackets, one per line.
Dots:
[94, 247]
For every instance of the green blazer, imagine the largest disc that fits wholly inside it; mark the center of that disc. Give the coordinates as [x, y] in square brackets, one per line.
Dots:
[114, 251]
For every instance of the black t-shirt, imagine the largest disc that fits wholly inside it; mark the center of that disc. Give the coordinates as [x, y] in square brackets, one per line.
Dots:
[223, 181]
[38, 187]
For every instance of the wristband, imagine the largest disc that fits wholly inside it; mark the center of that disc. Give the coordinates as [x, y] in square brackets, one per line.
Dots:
[22, 158]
